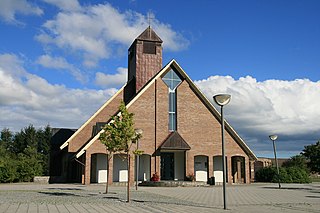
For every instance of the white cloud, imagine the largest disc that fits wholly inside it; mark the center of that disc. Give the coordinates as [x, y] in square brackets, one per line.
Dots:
[95, 31]
[9, 9]
[60, 63]
[116, 80]
[26, 98]
[69, 5]
[286, 107]
[258, 109]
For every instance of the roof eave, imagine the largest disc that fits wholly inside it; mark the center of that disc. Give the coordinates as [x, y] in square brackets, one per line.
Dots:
[65, 144]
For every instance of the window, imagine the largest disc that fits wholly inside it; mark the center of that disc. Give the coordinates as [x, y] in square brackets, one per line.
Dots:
[149, 47]
[172, 80]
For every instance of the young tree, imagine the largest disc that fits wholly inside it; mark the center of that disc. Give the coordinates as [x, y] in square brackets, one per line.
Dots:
[312, 153]
[118, 136]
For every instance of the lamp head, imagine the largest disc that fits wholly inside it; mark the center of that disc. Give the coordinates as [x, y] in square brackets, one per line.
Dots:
[138, 131]
[273, 137]
[222, 99]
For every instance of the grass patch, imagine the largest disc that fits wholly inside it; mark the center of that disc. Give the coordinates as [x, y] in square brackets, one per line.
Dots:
[315, 179]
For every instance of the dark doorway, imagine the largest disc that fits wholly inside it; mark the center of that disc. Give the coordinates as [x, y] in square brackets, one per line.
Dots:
[167, 166]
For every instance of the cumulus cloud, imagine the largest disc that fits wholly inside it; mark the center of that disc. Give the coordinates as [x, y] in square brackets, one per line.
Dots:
[10, 8]
[258, 109]
[29, 99]
[95, 30]
[70, 5]
[60, 63]
[116, 80]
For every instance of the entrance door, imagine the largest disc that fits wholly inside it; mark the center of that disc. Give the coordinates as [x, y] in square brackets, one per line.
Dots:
[167, 166]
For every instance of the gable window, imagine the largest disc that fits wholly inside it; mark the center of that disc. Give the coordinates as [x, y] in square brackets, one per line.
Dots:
[172, 80]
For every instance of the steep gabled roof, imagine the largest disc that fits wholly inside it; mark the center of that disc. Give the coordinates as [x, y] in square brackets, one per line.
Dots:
[149, 35]
[65, 144]
[212, 109]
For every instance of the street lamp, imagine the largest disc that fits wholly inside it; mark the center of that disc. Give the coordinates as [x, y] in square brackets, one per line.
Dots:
[273, 138]
[138, 132]
[222, 100]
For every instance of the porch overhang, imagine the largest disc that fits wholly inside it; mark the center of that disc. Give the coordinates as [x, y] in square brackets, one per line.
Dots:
[174, 141]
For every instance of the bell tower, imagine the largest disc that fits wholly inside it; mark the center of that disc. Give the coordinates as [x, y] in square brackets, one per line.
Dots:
[144, 60]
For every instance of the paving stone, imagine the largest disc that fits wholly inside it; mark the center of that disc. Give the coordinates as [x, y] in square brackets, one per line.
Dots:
[71, 198]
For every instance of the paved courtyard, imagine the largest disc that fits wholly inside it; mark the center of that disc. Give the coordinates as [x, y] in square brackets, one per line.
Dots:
[78, 198]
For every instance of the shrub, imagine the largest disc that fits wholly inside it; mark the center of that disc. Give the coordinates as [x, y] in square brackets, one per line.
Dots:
[287, 175]
[8, 173]
[265, 174]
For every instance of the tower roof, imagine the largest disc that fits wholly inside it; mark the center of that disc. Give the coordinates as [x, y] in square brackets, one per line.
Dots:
[149, 35]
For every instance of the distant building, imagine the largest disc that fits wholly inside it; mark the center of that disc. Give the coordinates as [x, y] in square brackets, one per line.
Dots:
[181, 128]
[262, 163]
[267, 162]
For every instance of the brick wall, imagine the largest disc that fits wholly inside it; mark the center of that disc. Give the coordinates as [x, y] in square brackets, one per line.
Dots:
[85, 134]
[199, 128]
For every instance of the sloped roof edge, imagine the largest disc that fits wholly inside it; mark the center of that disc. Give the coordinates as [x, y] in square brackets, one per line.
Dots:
[81, 152]
[65, 144]
[214, 111]
[174, 141]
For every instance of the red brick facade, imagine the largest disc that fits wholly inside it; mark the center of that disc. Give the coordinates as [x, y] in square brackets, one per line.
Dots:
[198, 123]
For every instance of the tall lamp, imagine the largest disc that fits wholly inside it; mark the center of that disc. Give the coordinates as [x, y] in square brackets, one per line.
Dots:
[222, 100]
[274, 138]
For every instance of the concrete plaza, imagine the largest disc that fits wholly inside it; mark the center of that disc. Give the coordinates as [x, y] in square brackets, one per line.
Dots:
[72, 198]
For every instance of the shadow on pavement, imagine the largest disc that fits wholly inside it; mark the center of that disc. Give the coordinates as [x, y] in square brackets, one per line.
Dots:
[59, 194]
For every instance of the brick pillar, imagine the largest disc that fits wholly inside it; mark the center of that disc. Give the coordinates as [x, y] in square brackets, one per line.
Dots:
[87, 168]
[189, 163]
[247, 170]
[229, 170]
[239, 175]
[210, 166]
[252, 171]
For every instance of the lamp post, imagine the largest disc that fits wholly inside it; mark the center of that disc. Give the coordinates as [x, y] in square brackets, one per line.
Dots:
[222, 100]
[138, 132]
[273, 138]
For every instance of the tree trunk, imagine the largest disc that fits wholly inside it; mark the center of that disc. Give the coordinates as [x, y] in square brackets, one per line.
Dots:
[108, 176]
[128, 183]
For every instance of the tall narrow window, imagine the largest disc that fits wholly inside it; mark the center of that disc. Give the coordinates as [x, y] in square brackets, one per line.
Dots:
[172, 80]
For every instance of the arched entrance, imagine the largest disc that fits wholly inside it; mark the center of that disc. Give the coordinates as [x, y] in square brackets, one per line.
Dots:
[201, 168]
[238, 169]
[144, 167]
[120, 171]
[98, 168]
[218, 169]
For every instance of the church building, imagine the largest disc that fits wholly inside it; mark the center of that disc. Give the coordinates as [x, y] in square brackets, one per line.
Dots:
[181, 128]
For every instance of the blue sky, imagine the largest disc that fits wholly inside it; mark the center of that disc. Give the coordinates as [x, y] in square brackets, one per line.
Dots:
[60, 60]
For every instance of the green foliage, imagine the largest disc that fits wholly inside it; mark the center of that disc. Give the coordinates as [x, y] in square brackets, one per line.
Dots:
[265, 174]
[119, 135]
[8, 169]
[296, 161]
[24, 154]
[28, 165]
[287, 175]
[312, 153]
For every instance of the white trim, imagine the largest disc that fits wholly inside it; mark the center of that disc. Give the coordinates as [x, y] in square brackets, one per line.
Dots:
[81, 152]
[93, 116]
[232, 131]
[196, 89]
